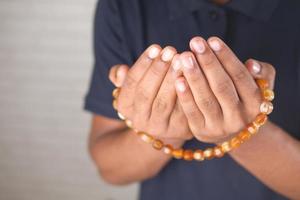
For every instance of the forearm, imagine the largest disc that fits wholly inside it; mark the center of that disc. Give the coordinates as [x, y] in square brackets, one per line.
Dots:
[124, 158]
[273, 156]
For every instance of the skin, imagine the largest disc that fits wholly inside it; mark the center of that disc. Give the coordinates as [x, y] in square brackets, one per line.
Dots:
[148, 96]
[155, 108]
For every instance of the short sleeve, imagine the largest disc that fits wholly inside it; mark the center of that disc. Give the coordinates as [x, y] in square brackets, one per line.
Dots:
[109, 49]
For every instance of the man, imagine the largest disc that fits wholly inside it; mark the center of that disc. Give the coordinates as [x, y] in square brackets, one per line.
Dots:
[211, 101]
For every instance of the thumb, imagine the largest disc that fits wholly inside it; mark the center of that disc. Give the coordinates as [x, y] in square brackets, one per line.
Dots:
[117, 74]
[262, 70]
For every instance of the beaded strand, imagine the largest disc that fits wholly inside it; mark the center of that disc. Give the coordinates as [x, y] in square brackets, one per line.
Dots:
[219, 150]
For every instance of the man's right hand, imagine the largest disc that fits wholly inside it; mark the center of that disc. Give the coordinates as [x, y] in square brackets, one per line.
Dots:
[148, 96]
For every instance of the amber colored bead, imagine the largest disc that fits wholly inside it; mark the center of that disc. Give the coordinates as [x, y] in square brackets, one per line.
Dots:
[188, 155]
[145, 137]
[252, 128]
[122, 117]
[235, 142]
[268, 94]
[115, 104]
[218, 152]
[260, 119]
[198, 155]
[262, 83]
[167, 149]
[177, 153]
[128, 123]
[208, 153]
[116, 92]
[266, 107]
[226, 147]
[157, 144]
[244, 135]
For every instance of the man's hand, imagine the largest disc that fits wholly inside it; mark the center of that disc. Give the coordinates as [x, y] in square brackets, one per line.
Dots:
[217, 93]
[148, 96]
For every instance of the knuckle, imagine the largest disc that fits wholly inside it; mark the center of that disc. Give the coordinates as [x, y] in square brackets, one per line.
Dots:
[224, 87]
[209, 60]
[240, 75]
[160, 105]
[142, 95]
[130, 81]
[208, 102]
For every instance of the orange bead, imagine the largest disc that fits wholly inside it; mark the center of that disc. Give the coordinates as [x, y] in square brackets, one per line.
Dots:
[128, 123]
[122, 117]
[218, 152]
[177, 153]
[157, 144]
[252, 128]
[260, 119]
[198, 155]
[266, 107]
[115, 104]
[235, 142]
[116, 92]
[167, 149]
[268, 94]
[226, 146]
[146, 137]
[244, 135]
[262, 83]
[188, 155]
[208, 153]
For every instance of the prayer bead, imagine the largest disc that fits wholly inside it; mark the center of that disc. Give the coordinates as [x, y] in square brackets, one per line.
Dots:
[263, 84]
[122, 117]
[252, 128]
[128, 123]
[260, 119]
[116, 92]
[198, 155]
[266, 107]
[188, 155]
[218, 152]
[208, 153]
[226, 147]
[157, 144]
[167, 149]
[115, 104]
[177, 153]
[268, 94]
[244, 135]
[235, 142]
[145, 137]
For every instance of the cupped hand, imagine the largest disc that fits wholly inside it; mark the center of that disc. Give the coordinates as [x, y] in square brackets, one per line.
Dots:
[219, 96]
[148, 96]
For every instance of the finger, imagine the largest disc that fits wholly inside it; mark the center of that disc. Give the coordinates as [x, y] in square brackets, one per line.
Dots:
[261, 70]
[139, 68]
[164, 103]
[203, 95]
[150, 83]
[242, 79]
[136, 72]
[117, 74]
[193, 114]
[219, 81]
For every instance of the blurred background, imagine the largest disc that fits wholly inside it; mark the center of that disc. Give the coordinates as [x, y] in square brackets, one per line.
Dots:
[45, 66]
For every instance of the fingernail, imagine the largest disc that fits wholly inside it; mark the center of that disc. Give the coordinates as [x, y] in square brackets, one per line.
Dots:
[176, 65]
[167, 55]
[198, 46]
[256, 68]
[180, 86]
[187, 62]
[153, 52]
[215, 45]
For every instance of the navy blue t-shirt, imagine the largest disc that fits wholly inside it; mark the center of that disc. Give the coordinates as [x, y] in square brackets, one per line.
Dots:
[267, 30]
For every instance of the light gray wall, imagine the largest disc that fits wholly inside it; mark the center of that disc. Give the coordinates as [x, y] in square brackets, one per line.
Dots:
[45, 64]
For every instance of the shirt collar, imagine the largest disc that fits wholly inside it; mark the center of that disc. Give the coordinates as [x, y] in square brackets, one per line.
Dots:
[257, 9]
